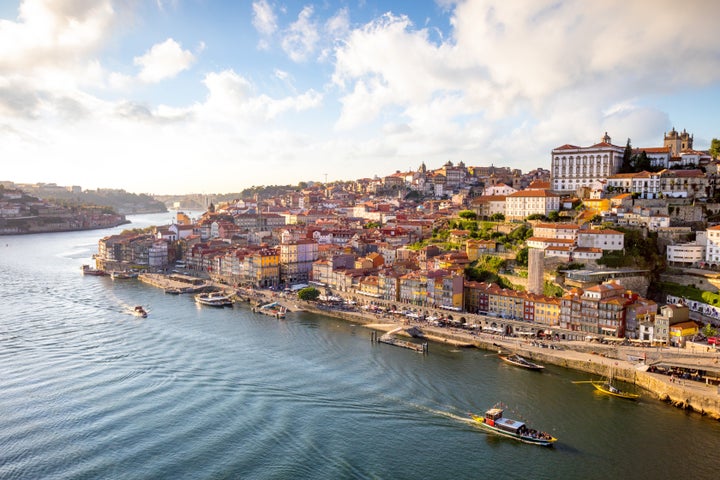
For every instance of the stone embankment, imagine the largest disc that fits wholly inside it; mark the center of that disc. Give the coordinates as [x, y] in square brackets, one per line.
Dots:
[595, 359]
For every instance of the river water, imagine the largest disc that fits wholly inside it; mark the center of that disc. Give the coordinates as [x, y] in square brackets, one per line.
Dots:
[89, 391]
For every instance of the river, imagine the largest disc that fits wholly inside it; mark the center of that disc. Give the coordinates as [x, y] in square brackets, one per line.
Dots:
[87, 390]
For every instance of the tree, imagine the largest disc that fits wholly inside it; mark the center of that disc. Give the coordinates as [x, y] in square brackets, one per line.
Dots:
[641, 162]
[554, 216]
[467, 214]
[709, 331]
[308, 293]
[715, 148]
[497, 217]
[521, 258]
[626, 166]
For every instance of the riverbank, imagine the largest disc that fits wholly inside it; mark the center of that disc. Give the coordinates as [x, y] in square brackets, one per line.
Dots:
[594, 359]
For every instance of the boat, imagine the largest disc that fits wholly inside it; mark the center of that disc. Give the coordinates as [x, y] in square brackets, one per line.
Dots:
[88, 270]
[519, 361]
[273, 309]
[139, 311]
[494, 421]
[213, 299]
[116, 275]
[607, 386]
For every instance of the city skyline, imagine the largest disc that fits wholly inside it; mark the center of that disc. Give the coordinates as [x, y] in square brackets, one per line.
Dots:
[181, 96]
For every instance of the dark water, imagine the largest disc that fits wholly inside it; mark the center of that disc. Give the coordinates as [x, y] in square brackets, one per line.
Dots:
[89, 391]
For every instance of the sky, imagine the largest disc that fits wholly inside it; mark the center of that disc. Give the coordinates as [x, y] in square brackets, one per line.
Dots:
[211, 96]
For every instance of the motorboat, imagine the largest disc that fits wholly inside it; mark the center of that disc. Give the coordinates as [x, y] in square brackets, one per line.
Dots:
[495, 422]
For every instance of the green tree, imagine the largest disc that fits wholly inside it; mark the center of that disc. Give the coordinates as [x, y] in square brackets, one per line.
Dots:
[641, 162]
[497, 217]
[308, 293]
[554, 216]
[715, 148]
[626, 166]
[467, 214]
[709, 330]
[521, 257]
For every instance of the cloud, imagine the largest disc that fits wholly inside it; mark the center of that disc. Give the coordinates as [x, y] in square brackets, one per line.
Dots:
[163, 60]
[264, 19]
[231, 97]
[301, 37]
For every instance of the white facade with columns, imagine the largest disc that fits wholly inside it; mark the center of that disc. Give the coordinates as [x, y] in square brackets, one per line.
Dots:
[573, 167]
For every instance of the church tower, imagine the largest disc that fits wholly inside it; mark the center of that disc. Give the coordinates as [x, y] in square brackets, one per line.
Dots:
[678, 141]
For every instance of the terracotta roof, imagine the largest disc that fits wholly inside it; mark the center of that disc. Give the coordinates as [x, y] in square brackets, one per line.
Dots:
[558, 226]
[533, 193]
[567, 146]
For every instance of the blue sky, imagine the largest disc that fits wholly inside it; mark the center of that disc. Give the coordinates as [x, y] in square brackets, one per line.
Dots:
[180, 96]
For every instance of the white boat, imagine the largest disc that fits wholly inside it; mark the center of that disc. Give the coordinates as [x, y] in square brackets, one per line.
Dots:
[213, 299]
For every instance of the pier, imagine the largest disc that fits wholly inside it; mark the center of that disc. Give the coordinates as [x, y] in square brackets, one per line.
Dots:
[389, 339]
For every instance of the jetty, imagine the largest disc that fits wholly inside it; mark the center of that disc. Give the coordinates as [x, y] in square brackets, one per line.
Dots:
[175, 283]
[389, 338]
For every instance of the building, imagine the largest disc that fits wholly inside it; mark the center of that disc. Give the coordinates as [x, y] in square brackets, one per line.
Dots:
[524, 203]
[605, 239]
[677, 142]
[573, 167]
[642, 184]
[536, 271]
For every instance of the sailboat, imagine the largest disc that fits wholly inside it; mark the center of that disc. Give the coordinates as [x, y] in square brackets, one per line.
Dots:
[607, 386]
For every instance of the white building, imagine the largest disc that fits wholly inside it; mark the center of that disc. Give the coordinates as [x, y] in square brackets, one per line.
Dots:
[712, 251]
[645, 184]
[573, 167]
[520, 205]
[556, 230]
[606, 239]
[685, 253]
[499, 189]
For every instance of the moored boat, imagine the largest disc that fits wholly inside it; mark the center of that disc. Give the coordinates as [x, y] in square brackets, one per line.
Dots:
[88, 270]
[273, 309]
[608, 388]
[117, 275]
[507, 427]
[520, 361]
[140, 311]
[213, 299]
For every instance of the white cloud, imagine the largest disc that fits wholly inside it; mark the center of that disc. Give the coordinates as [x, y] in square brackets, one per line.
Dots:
[301, 36]
[163, 60]
[264, 19]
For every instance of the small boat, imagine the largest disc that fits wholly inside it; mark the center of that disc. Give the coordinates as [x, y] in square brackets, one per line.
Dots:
[139, 311]
[273, 309]
[519, 361]
[213, 299]
[88, 270]
[117, 275]
[608, 388]
[507, 427]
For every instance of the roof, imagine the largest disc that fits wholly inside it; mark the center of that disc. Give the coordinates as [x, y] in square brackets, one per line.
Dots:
[605, 231]
[533, 193]
[558, 226]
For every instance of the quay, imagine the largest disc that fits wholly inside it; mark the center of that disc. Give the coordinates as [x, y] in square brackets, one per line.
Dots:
[390, 339]
[592, 358]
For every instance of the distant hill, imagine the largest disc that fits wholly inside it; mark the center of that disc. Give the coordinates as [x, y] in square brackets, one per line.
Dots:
[123, 202]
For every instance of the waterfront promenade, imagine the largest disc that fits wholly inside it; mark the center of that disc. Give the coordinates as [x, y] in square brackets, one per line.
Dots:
[594, 358]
